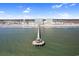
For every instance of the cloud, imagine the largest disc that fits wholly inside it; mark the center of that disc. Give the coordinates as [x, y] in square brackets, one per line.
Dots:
[57, 6]
[62, 16]
[72, 4]
[66, 5]
[65, 15]
[1, 12]
[69, 5]
[27, 10]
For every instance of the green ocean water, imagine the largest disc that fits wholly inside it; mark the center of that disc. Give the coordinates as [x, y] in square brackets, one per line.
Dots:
[59, 42]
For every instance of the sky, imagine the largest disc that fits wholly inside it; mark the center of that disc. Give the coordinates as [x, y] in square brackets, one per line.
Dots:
[39, 10]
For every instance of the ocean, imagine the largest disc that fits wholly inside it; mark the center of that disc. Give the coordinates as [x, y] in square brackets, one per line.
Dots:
[59, 42]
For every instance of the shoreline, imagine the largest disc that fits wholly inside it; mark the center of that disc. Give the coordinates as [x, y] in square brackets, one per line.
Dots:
[35, 26]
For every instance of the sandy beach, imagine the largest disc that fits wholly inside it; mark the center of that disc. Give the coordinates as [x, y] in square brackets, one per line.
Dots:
[35, 25]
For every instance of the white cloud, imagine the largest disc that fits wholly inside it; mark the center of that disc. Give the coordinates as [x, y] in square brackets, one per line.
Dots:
[62, 16]
[1, 12]
[72, 4]
[66, 5]
[57, 6]
[27, 10]
[8, 16]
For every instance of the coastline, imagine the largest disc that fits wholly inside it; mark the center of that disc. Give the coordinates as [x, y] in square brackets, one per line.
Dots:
[35, 25]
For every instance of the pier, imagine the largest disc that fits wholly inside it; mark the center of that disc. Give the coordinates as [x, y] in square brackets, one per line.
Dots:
[38, 41]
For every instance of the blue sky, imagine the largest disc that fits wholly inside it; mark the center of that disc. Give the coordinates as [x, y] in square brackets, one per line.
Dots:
[39, 10]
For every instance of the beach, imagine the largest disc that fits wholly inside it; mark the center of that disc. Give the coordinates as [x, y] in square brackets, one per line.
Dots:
[36, 25]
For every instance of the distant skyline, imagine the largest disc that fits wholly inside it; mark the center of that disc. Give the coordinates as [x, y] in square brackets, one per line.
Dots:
[39, 10]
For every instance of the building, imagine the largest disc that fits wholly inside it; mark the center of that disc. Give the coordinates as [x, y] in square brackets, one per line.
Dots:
[66, 21]
[17, 21]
